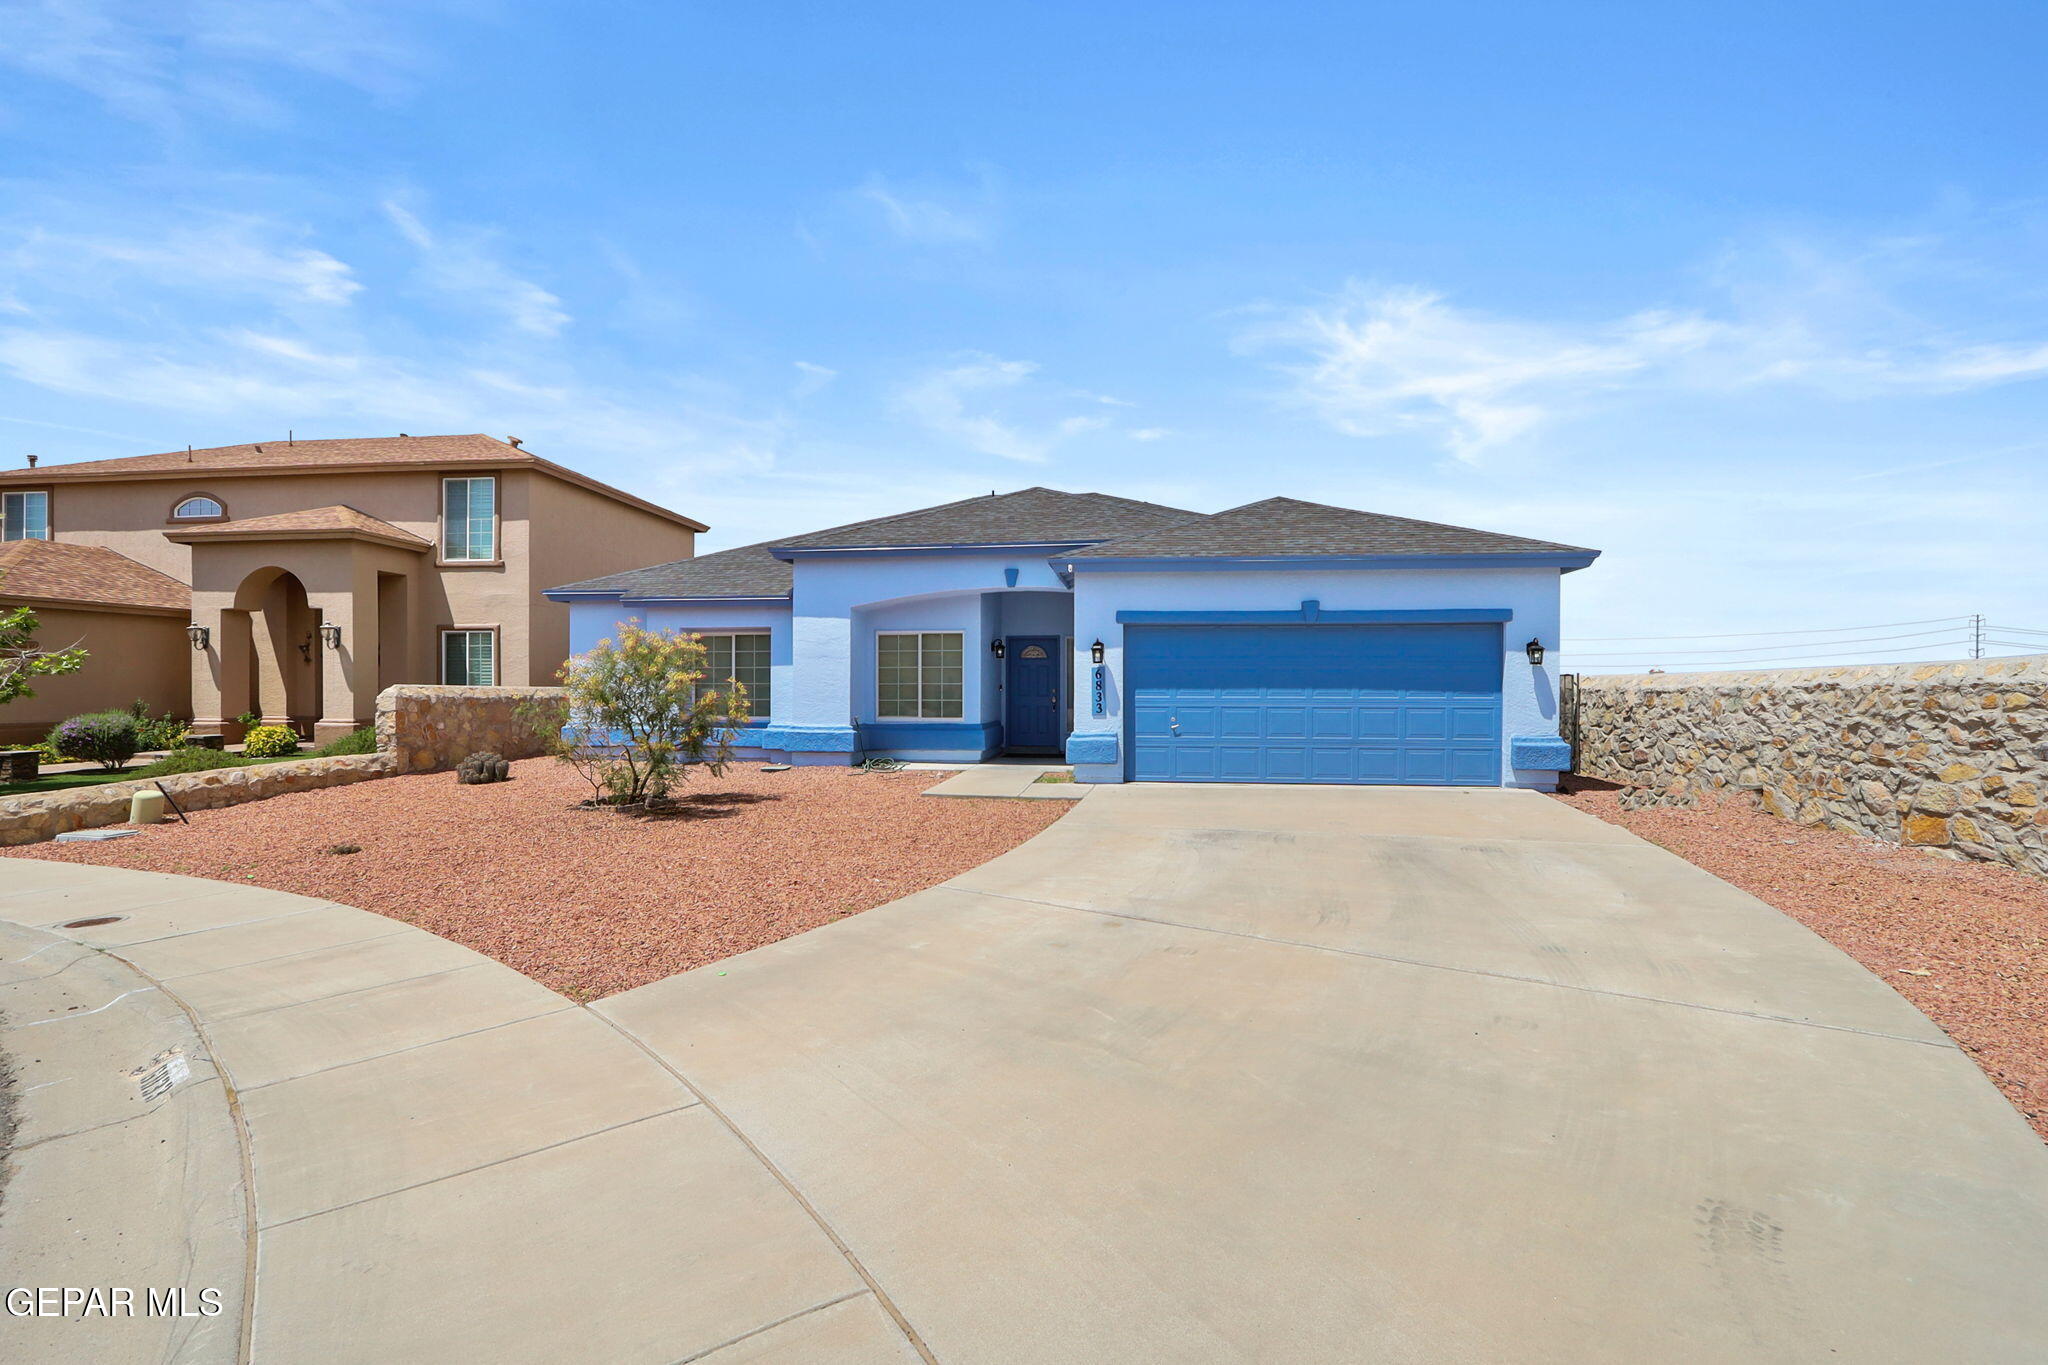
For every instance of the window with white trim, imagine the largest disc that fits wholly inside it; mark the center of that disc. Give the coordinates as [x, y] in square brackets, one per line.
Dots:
[198, 505]
[742, 655]
[25, 516]
[469, 519]
[469, 658]
[919, 674]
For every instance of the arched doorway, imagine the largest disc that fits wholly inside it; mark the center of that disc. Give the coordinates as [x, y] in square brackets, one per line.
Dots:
[284, 682]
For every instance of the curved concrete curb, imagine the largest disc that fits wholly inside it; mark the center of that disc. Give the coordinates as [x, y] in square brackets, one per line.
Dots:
[446, 1161]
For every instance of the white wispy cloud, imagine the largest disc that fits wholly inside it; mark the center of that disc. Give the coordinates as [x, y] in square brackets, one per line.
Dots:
[232, 253]
[927, 220]
[1374, 361]
[463, 267]
[1149, 433]
[958, 402]
[165, 63]
[810, 378]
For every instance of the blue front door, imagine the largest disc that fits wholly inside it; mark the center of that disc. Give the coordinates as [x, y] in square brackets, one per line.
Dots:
[1336, 703]
[1031, 692]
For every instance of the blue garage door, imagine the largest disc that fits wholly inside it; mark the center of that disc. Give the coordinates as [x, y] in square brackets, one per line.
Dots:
[1396, 704]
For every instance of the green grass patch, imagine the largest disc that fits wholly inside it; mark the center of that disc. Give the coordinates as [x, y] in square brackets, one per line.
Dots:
[55, 782]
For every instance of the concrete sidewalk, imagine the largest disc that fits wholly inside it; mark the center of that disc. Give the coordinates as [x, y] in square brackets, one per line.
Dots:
[381, 1146]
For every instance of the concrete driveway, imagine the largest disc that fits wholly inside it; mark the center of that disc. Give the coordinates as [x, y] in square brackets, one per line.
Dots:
[1307, 1074]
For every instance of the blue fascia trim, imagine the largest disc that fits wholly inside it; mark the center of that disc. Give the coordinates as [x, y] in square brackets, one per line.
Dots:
[979, 736]
[1310, 613]
[590, 595]
[1545, 752]
[792, 552]
[1235, 563]
[649, 601]
[808, 739]
[1091, 748]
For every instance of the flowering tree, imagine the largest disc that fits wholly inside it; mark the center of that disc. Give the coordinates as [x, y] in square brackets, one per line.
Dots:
[642, 708]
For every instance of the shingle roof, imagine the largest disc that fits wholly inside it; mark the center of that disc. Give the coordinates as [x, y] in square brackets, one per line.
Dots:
[353, 452]
[314, 521]
[56, 571]
[1030, 516]
[748, 571]
[1034, 516]
[1281, 527]
[260, 456]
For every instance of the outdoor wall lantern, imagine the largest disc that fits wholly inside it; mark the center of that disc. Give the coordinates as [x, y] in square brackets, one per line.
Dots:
[995, 646]
[198, 635]
[1095, 652]
[331, 636]
[1535, 651]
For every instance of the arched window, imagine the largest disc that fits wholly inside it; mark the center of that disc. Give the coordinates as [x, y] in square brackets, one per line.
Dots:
[197, 507]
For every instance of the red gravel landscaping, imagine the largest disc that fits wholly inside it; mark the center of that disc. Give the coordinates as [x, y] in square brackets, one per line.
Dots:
[591, 902]
[1962, 941]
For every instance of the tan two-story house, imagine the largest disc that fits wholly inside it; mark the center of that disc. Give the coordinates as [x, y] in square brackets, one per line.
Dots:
[294, 580]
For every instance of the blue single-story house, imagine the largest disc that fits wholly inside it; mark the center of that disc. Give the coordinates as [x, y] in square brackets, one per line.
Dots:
[1282, 641]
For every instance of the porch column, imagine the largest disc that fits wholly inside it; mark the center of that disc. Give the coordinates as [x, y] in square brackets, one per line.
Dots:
[220, 672]
[348, 675]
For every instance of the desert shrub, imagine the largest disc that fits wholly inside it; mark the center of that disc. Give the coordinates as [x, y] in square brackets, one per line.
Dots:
[107, 738]
[363, 741]
[158, 732]
[269, 741]
[191, 761]
[641, 709]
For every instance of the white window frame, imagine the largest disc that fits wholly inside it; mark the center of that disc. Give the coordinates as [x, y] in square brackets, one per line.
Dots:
[441, 652]
[219, 512]
[919, 713]
[755, 711]
[21, 496]
[497, 517]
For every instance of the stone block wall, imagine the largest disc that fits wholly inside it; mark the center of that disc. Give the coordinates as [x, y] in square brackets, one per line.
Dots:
[1951, 757]
[33, 818]
[428, 728]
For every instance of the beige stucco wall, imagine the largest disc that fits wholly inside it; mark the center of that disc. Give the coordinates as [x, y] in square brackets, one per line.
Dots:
[578, 534]
[132, 655]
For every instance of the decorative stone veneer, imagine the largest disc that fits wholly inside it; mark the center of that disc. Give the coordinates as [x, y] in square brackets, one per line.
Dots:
[1951, 757]
[437, 727]
[44, 815]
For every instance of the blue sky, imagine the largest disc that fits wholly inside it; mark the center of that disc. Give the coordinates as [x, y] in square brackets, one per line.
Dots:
[1751, 297]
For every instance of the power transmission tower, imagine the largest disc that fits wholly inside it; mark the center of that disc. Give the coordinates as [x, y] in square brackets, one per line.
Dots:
[1977, 636]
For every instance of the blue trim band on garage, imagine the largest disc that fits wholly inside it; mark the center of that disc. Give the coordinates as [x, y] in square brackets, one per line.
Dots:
[638, 600]
[1235, 563]
[808, 739]
[1091, 748]
[1544, 752]
[1310, 613]
[981, 737]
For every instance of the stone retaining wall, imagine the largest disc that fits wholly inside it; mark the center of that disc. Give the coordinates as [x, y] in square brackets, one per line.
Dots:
[44, 815]
[437, 727]
[1952, 757]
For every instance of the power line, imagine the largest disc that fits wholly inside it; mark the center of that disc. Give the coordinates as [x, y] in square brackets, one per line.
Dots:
[2014, 630]
[1949, 634]
[1752, 634]
[1794, 659]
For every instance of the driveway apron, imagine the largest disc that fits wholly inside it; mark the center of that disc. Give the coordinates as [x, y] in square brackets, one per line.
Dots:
[1388, 1074]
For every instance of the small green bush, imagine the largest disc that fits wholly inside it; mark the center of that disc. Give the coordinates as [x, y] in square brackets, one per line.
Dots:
[164, 732]
[270, 741]
[191, 761]
[107, 738]
[363, 741]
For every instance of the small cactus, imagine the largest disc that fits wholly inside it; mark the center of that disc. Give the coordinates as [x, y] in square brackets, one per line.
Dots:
[483, 767]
